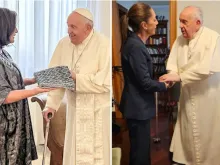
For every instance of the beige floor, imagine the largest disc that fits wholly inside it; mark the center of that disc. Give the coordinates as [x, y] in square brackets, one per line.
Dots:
[40, 150]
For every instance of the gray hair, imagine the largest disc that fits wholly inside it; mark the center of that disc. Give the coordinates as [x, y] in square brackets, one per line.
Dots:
[88, 21]
[7, 25]
[198, 14]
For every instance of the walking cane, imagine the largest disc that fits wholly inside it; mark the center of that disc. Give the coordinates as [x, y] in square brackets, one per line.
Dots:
[46, 137]
[156, 139]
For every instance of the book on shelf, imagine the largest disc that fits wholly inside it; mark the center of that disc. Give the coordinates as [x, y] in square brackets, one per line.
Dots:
[156, 50]
[157, 41]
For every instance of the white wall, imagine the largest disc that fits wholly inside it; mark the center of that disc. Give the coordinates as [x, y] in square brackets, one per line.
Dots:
[128, 3]
[211, 13]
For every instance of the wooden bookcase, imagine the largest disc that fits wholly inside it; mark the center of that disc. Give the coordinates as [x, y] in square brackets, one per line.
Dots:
[157, 47]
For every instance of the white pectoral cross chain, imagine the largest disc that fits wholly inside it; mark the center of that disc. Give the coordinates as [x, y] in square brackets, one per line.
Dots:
[190, 49]
[74, 67]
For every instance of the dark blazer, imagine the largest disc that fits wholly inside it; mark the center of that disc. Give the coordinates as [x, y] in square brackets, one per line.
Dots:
[138, 100]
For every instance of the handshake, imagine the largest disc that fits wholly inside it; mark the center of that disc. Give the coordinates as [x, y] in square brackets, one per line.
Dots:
[169, 79]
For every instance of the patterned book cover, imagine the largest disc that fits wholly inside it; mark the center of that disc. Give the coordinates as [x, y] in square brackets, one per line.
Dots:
[56, 77]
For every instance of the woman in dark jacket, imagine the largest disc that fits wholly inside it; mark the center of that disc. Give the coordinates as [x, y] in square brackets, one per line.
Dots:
[17, 145]
[138, 101]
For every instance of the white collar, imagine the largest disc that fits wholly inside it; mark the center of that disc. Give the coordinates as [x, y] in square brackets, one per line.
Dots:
[197, 34]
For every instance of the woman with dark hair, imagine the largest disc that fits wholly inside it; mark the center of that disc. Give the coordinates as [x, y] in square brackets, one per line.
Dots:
[17, 145]
[138, 101]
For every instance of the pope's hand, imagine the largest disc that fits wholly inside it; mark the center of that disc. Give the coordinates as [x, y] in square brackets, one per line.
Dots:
[170, 78]
[47, 111]
[73, 75]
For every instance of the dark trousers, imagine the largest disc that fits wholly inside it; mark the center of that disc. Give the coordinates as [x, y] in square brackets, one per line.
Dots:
[139, 134]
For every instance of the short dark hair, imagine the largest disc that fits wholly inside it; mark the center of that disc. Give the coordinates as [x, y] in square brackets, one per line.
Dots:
[7, 25]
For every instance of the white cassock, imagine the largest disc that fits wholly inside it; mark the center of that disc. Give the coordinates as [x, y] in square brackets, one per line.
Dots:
[87, 138]
[196, 138]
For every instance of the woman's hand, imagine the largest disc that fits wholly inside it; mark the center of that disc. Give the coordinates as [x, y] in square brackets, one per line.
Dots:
[38, 90]
[17, 95]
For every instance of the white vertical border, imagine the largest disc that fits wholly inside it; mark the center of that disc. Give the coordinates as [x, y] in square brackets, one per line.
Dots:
[110, 1]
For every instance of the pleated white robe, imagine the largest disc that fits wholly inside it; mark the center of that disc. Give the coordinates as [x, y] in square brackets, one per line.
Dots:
[87, 140]
[197, 131]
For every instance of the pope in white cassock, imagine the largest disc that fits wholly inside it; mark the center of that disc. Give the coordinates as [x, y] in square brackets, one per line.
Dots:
[87, 54]
[195, 61]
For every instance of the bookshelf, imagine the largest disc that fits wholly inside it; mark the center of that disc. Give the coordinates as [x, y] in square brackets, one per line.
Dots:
[160, 38]
[157, 47]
